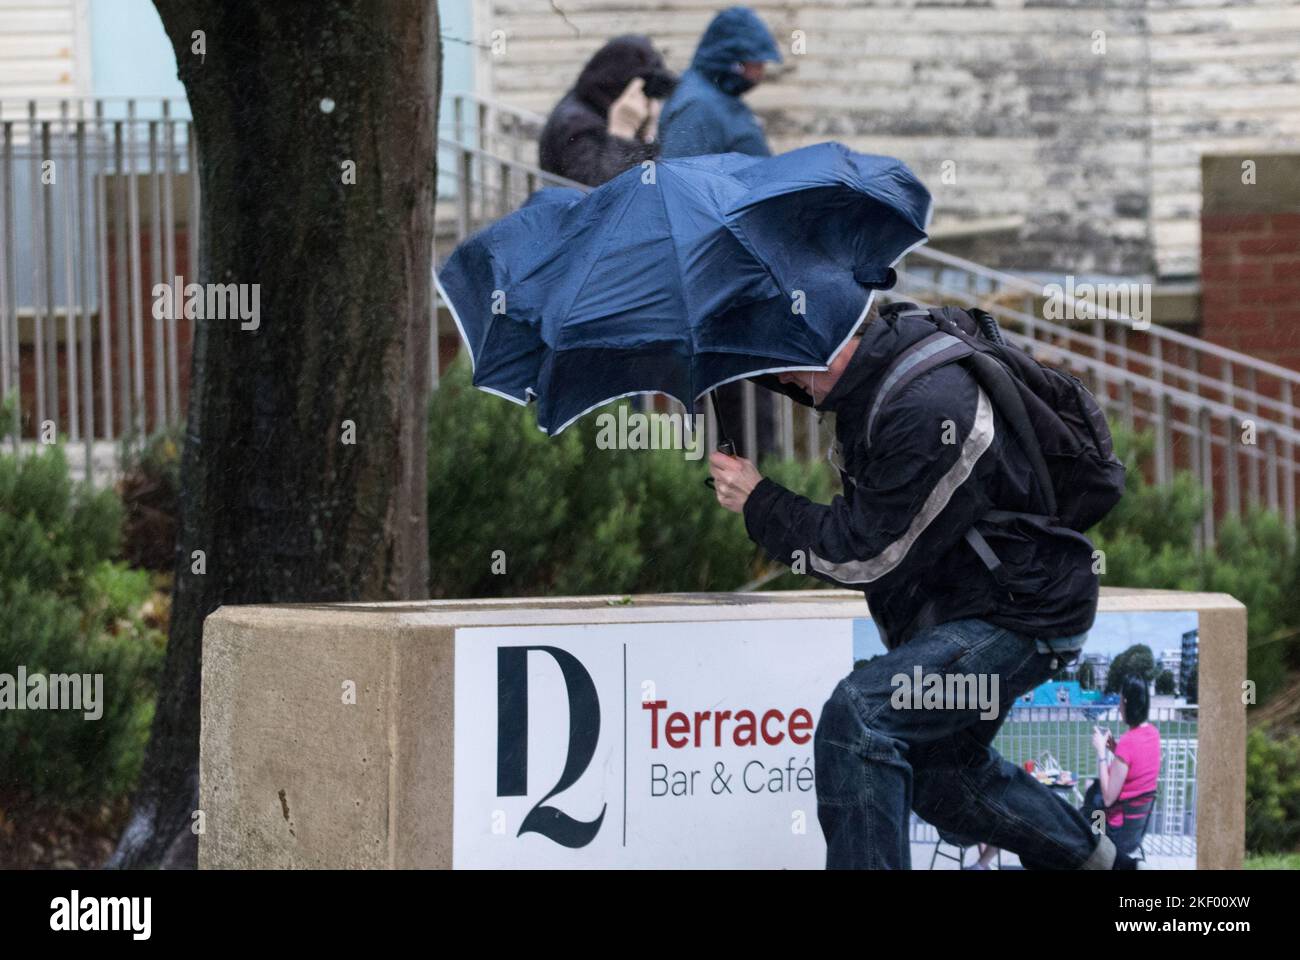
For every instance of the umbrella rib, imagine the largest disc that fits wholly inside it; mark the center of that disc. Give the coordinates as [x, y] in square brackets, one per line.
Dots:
[577, 291]
[681, 284]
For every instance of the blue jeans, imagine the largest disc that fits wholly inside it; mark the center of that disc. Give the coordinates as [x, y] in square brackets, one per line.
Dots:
[878, 757]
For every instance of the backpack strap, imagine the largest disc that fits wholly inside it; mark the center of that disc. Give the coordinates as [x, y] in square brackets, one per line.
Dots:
[940, 348]
[920, 358]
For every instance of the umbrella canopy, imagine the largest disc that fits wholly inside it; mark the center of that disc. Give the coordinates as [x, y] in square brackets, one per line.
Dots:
[682, 276]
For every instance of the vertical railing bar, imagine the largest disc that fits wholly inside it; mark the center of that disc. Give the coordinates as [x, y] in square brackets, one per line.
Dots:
[6, 277]
[105, 308]
[123, 279]
[1164, 441]
[1207, 474]
[435, 373]
[69, 306]
[169, 263]
[101, 258]
[1155, 348]
[11, 267]
[1270, 470]
[463, 200]
[38, 274]
[193, 227]
[137, 302]
[83, 295]
[1121, 346]
[1255, 465]
[1289, 460]
[1197, 463]
[1232, 465]
[156, 277]
[51, 299]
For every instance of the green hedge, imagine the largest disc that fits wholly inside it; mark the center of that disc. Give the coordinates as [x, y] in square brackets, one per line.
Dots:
[1149, 541]
[1272, 793]
[571, 518]
[66, 607]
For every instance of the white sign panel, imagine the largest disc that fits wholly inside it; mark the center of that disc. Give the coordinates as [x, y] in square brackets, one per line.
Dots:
[671, 745]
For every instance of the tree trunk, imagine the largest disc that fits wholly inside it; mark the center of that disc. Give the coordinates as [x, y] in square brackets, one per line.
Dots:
[286, 97]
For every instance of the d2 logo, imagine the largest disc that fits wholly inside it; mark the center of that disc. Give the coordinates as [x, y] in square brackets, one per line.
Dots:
[512, 742]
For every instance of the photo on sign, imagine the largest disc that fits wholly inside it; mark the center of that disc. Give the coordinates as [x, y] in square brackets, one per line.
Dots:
[1049, 730]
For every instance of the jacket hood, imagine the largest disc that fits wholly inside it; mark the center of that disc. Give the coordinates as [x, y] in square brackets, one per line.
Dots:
[615, 65]
[880, 341]
[884, 338]
[734, 36]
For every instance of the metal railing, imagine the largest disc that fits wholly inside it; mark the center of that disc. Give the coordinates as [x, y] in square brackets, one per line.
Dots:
[1237, 431]
[1227, 417]
[494, 127]
[1066, 733]
[98, 204]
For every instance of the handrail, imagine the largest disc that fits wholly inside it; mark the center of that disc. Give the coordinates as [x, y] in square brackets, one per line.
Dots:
[1120, 376]
[499, 106]
[1025, 285]
[1101, 348]
[552, 179]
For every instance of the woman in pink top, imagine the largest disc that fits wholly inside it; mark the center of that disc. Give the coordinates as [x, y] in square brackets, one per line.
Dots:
[1134, 771]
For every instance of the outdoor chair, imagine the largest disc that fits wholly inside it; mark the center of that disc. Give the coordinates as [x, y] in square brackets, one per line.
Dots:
[1137, 818]
[946, 840]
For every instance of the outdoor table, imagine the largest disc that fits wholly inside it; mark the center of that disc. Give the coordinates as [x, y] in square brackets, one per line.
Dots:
[1067, 792]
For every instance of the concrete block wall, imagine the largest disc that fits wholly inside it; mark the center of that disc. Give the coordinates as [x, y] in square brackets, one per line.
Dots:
[330, 735]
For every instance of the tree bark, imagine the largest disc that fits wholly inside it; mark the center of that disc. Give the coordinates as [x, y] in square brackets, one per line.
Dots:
[284, 96]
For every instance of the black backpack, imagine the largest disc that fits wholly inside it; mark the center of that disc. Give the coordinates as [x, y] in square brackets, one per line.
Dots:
[1057, 422]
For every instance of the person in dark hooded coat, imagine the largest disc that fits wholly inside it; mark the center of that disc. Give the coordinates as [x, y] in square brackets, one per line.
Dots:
[705, 114]
[608, 122]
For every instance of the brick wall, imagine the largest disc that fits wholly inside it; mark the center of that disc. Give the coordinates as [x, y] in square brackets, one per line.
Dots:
[1250, 256]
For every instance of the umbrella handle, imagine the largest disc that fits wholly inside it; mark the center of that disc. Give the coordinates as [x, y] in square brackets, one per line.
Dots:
[725, 444]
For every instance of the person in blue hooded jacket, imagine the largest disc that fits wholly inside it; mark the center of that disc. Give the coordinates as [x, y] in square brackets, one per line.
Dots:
[706, 114]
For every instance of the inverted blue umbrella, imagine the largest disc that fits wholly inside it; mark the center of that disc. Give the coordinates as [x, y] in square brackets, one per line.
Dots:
[682, 276]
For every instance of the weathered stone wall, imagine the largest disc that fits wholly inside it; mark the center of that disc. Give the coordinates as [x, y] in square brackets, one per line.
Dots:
[1086, 119]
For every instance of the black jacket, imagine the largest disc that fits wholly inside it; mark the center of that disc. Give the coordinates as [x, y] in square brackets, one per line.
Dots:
[576, 142]
[940, 458]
